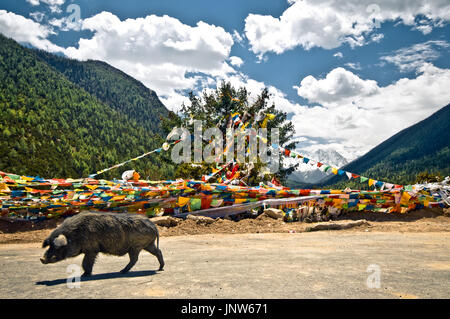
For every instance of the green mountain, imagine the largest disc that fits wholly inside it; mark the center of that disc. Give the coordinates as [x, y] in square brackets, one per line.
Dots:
[62, 118]
[112, 87]
[423, 147]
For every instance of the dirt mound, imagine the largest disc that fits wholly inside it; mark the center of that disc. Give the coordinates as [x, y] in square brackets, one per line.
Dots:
[262, 224]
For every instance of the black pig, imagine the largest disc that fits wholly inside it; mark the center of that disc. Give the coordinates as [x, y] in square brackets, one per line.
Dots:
[91, 233]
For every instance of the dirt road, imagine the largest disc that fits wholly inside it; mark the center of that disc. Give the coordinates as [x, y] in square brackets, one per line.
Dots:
[328, 264]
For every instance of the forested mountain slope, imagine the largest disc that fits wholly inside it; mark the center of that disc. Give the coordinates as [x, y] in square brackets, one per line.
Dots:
[54, 128]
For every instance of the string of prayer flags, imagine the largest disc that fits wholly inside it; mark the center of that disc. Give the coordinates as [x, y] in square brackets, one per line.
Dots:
[37, 198]
[164, 147]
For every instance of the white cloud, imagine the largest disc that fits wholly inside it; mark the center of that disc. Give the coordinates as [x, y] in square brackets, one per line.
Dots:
[162, 52]
[413, 57]
[33, 2]
[236, 61]
[354, 66]
[358, 121]
[329, 24]
[237, 37]
[377, 37]
[26, 30]
[425, 29]
[338, 55]
[339, 86]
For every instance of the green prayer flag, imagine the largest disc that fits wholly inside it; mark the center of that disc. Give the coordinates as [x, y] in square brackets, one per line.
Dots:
[195, 203]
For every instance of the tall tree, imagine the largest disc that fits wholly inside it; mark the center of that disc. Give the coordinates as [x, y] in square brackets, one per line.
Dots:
[214, 109]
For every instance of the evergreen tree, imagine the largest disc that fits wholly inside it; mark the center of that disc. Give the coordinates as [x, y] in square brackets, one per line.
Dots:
[214, 109]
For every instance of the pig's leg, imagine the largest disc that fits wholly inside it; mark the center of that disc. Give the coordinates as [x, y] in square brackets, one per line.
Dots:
[156, 252]
[134, 255]
[88, 263]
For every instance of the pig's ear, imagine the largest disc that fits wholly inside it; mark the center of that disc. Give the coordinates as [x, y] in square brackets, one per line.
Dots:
[60, 241]
[46, 243]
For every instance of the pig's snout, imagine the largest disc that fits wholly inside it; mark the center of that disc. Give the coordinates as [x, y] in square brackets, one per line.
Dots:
[46, 260]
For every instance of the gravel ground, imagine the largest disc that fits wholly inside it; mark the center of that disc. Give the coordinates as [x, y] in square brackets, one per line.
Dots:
[252, 258]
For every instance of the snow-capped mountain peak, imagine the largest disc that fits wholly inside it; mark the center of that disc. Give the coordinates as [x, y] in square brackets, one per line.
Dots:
[310, 173]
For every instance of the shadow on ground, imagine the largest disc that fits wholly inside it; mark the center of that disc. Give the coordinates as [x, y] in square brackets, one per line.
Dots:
[110, 275]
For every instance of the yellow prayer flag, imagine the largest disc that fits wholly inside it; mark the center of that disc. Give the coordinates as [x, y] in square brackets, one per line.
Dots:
[406, 196]
[182, 201]
[117, 198]
[268, 117]
[337, 202]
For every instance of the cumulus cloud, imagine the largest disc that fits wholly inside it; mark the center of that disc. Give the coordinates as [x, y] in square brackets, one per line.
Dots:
[26, 30]
[413, 57]
[329, 24]
[338, 55]
[339, 86]
[160, 51]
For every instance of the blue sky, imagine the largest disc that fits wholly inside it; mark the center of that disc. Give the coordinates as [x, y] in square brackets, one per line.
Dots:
[351, 73]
